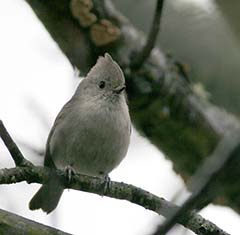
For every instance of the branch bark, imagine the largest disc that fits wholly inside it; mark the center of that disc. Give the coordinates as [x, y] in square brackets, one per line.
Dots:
[122, 191]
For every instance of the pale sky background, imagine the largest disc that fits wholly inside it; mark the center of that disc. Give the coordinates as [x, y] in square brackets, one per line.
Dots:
[36, 79]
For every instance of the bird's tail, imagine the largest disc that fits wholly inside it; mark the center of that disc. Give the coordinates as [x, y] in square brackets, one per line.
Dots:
[47, 197]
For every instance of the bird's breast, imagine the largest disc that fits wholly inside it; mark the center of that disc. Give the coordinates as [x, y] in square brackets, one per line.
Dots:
[95, 142]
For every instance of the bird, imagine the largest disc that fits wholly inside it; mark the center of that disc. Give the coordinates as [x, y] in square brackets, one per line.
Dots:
[91, 133]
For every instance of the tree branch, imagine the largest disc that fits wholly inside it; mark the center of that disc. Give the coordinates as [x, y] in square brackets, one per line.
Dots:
[202, 183]
[12, 147]
[122, 191]
[18, 225]
[152, 37]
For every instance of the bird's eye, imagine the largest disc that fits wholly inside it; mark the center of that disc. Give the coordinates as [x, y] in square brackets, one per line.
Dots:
[102, 84]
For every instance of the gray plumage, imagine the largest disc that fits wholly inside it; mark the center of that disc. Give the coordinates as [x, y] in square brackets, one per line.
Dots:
[91, 133]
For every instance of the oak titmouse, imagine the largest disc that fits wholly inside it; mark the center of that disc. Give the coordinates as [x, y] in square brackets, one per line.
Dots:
[91, 133]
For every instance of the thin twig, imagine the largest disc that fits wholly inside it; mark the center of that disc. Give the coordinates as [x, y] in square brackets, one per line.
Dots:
[12, 147]
[227, 150]
[117, 190]
[144, 54]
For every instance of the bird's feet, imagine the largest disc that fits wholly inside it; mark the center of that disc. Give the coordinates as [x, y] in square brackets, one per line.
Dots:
[69, 173]
[106, 184]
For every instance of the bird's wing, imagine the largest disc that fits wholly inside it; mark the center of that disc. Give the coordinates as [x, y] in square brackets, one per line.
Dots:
[64, 111]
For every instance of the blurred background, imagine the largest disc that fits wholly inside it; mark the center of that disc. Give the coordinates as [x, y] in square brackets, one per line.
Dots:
[36, 80]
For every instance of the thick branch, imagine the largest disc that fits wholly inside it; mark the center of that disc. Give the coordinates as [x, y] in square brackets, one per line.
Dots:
[17, 225]
[115, 190]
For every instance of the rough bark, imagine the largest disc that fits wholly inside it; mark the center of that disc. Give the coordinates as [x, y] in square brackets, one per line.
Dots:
[163, 107]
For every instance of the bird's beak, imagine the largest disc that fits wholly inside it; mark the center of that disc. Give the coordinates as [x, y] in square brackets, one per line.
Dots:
[119, 89]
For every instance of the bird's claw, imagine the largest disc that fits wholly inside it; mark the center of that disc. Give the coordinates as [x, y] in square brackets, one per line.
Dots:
[106, 182]
[69, 172]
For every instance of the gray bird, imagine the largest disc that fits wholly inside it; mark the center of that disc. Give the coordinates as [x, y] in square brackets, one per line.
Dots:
[91, 133]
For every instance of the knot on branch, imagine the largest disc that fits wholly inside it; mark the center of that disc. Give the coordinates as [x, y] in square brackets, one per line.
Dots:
[81, 10]
[102, 31]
